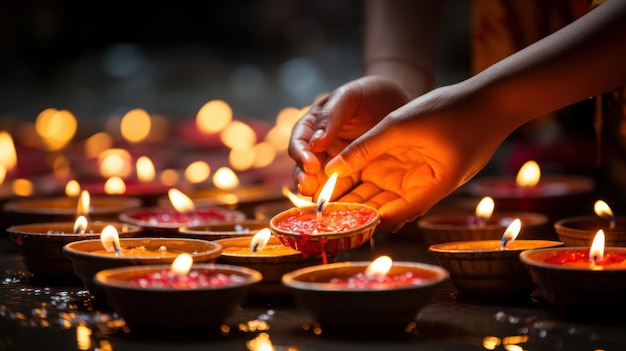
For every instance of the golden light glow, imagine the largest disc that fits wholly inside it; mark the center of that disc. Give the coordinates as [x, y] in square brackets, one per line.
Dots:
[109, 238]
[214, 116]
[197, 172]
[238, 135]
[72, 188]
[135, 125]
[182, 264]
[242, 159]
[158, 129]
[602, 209]
[327, 190]
[528, 175]
[225, 179]
[8, 156]
[491, 342]
[55, 127]
[22, 187]
[61, 166]
[97, 143]
[512, 231]
[3, 173]
[115, 162]
[297, 200]
[82, 209]
[115, 186]
[83, 337]
[264, 154]
[379, 267]
[169, 177]
[80, 225]
[596, 252]
[145, 169]
[181, 202]
[485, 207]
[261, 343]
[287, 118]
[278, 138]
[260, 239]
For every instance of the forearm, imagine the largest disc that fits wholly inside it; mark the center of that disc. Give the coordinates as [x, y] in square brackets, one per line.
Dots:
[582, 60]
[400, 38]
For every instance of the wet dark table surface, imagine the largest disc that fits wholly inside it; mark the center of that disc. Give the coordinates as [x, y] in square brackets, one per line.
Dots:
[37, 315]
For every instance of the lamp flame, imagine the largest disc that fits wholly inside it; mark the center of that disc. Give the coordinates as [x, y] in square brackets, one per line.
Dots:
[596, 252]
[260, 239]
[182, 264]
[115, 185]
[82, 209]
[603, 210]
[110, 239]
[326, 194]
[80, 225]
[181, 202]
[72, 188]
[145, 169]
[484, 209]
[379, 267]
[528, 175]
[8, 157]
[296, 200]
[511, 231]
[225, 179]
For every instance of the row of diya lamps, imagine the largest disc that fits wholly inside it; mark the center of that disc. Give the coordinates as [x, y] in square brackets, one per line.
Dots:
[210, 271]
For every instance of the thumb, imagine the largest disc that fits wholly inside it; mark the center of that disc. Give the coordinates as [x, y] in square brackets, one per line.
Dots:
[361, 151]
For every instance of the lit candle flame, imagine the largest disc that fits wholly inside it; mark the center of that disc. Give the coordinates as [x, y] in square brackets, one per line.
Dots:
[82, 209]
[225, 179]
[296, 200]
[379, 267]
[596, 252]
[110, 240]
[145, 169]
[115, 186]
[182, 264]
[511, 232]
[181, 202]
[260, 239]
[80, 225]
[8, 156]
[528, 175]
[484, 210]
[326, 194]
[603, 210]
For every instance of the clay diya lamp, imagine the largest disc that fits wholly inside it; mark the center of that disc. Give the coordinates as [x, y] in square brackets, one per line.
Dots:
[222, 230]
[91, 256]
[484, 224]
[489, 268]
[59, 209]
[327, 228]
[266, 254]
[165, 221]
[379, 294]
[581, 281]
[580, 230]
[554, 195]
[40, 245]
[177, 296]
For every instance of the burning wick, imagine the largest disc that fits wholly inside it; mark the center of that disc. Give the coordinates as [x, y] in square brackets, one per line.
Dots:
[111, 240]
[80, 225]
[182, 203]
[596, 252]
[484, 210]
[603, 210]
[511, 232]
[325, 195]
[260, 239]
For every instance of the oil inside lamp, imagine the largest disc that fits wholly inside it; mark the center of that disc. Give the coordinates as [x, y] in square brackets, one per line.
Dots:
[110, 240]
[80, 225]
[260, 239]
[511, 232]
[603, 210]
[325, 195]
[484, 210]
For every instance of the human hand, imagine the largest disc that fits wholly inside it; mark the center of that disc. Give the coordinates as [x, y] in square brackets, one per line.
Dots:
[336, 120]
[417, 155]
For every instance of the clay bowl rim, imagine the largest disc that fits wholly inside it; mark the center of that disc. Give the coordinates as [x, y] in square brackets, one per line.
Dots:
[291, 279]
[126, 217]
[296, 256]
[326, 235]
[563, 225]
[454, 254]
[18, 229]
[204, 230]
[130, 202]
[583, 185]
[105, 280]
[527, 258]
[431, 222]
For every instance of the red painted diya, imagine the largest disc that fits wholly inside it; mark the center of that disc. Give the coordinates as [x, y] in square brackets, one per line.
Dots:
[167, 220]
[342, 227]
